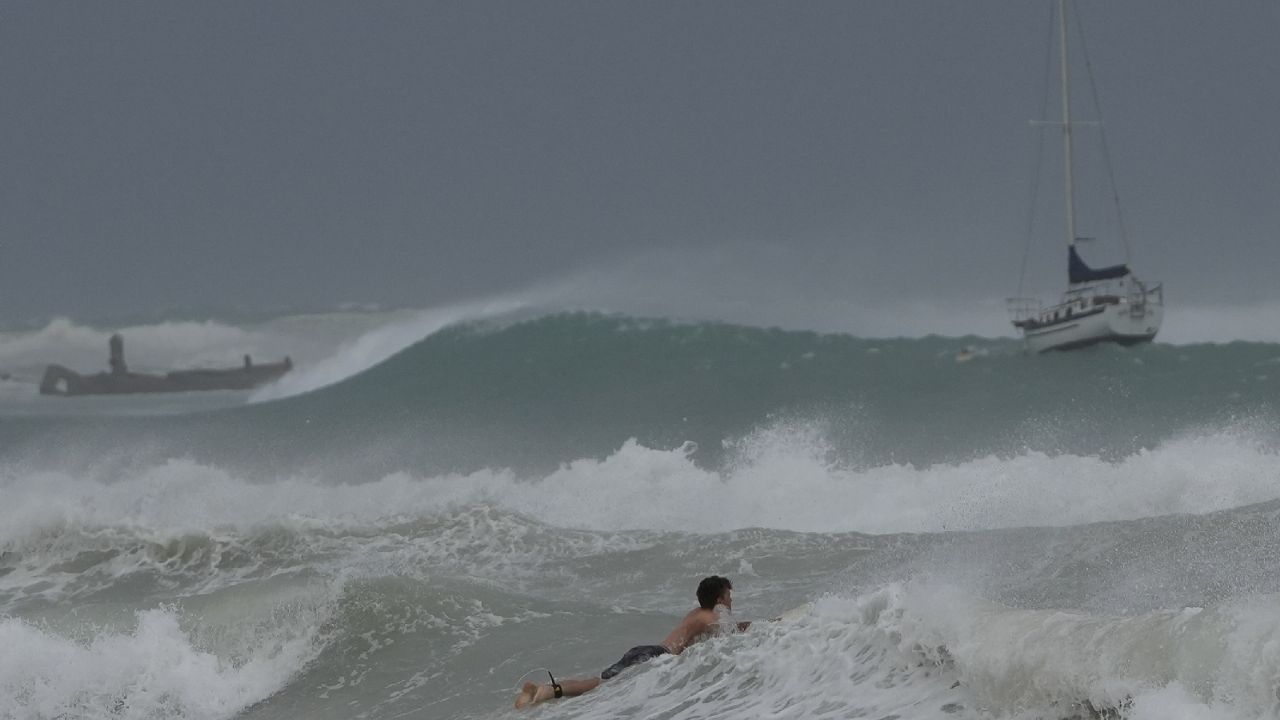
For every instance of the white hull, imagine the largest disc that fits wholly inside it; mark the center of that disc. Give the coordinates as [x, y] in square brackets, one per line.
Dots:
[1123, 311]
[1115, 323]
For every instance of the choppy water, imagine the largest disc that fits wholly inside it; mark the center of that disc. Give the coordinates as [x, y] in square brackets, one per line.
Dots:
[436, 503]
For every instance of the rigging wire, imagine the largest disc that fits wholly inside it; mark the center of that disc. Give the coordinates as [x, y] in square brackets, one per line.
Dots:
[1039, 161]
[1102, 129]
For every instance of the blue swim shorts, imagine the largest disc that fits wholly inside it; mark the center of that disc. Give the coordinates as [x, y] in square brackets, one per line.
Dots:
[634, 656]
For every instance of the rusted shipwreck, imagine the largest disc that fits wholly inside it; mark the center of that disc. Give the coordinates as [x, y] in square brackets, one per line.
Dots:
[58, 380]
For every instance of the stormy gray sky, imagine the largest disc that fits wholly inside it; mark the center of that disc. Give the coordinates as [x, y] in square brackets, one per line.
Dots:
[813, 155]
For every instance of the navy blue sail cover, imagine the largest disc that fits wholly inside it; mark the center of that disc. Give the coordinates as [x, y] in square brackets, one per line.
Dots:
[1078, 272]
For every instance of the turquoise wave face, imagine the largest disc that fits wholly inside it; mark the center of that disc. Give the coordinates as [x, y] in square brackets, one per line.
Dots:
[539, 392]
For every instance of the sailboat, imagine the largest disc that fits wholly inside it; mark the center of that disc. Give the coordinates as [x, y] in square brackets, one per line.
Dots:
[1106, 304]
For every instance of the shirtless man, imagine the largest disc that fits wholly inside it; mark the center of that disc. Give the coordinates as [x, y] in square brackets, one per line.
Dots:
[700, 621]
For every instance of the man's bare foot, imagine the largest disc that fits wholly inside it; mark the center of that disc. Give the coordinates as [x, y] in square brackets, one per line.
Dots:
[531, 694]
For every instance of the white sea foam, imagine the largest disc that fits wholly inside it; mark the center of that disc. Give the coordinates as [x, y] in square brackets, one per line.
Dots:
[152, 670]
[781, 479]
[1213, 662]
[64, 538]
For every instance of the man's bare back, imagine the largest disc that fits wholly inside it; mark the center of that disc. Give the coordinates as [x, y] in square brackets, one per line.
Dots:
[698, 622]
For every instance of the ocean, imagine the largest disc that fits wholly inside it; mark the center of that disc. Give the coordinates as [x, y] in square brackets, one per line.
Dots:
[436, 505]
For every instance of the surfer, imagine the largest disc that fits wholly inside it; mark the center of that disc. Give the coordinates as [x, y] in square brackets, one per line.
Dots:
[699, 622]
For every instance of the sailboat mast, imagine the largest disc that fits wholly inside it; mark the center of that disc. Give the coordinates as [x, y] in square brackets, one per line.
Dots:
[1069, 180]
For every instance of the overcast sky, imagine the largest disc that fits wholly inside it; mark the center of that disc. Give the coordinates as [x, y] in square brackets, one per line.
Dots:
[817, 154]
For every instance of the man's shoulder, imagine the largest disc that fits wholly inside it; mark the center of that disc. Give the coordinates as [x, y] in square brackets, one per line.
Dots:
[702, 615]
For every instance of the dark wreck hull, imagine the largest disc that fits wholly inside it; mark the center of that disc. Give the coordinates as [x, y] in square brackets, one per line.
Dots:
[58, 380]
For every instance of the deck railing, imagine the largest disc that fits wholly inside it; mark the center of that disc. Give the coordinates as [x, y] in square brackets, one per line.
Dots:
[1138, 295]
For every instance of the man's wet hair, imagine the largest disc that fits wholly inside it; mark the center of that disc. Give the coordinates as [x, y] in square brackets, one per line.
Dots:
[710, 590]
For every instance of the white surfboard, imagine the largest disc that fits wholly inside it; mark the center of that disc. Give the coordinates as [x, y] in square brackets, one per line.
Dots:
[796, 612]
